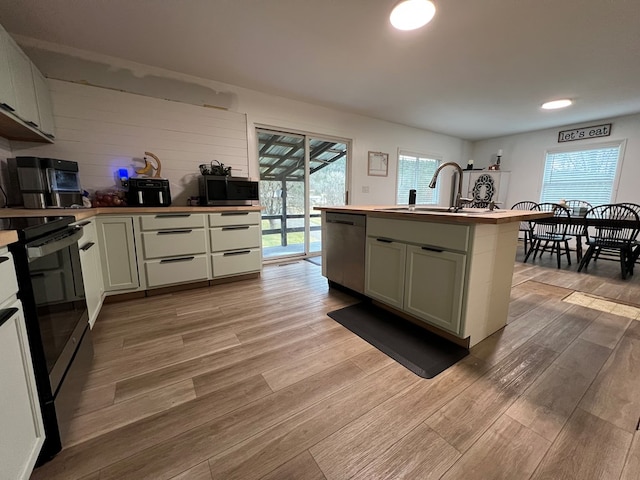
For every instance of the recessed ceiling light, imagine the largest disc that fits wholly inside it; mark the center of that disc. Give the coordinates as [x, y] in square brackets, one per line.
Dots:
[565, 102]
[412, 14]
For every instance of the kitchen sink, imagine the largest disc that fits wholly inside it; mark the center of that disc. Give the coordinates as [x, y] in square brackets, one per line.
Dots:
[447, 210]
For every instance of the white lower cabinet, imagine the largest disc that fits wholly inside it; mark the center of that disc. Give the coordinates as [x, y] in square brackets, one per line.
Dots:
[384, 279]
[91, 269]
[156, 250]
[173, 248]
[425, 281]
[235, 239]
[433, 286]
[169, 271]
[22, 432]
[118, 253]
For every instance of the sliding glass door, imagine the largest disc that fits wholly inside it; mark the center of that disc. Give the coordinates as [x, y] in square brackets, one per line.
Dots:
[297, 173]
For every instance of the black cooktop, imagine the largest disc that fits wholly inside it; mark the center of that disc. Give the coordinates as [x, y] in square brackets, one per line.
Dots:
[29, 228]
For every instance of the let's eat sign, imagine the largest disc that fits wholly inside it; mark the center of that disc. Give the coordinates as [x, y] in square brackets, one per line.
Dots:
[584, 133]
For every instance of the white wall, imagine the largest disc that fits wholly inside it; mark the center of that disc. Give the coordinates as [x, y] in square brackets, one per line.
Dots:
[366, 134]
[104, 130]
[524, 155]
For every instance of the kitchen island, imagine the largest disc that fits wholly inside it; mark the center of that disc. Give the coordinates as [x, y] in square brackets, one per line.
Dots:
[449, 272]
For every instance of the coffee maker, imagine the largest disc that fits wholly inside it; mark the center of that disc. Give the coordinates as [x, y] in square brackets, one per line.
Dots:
[44, 182]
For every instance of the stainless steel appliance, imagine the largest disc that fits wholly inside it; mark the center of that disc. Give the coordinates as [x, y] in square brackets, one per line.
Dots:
[148, 192]
[228, 191]
[44, 182]
[51, 290]
[345, 249]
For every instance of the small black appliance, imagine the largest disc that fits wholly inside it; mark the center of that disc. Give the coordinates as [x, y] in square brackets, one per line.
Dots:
[148, 192]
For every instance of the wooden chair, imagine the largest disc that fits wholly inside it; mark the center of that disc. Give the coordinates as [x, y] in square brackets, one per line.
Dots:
[552, 232]
[615, 228]
[578, 208]
[525, 226]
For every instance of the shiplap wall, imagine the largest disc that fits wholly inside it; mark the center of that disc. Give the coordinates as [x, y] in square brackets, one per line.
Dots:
[104, 130]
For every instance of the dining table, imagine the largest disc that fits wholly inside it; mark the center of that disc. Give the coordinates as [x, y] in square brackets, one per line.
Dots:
[580, 219]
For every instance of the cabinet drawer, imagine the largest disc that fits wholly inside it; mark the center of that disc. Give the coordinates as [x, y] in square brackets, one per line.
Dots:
[176, 270]
[9, 284]
[235, 237]
[172, 221]
[234, 218]
[233, 263]
[167, 243]
[444, 235]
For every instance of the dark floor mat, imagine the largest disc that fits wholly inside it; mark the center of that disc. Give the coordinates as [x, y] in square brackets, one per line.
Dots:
[419, 350]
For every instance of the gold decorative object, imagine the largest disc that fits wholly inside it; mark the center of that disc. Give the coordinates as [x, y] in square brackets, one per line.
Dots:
[148, 166]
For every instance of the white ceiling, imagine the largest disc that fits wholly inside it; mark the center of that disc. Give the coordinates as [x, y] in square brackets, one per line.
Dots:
[479, 70]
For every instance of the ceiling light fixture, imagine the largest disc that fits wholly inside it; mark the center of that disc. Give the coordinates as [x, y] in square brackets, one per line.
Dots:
[565, 102]
[412, 14]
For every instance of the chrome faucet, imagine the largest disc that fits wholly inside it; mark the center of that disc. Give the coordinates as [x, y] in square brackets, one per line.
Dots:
[459, 199]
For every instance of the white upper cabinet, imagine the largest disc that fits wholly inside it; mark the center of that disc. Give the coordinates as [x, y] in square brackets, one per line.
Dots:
[25, 100]
[7, 95]
[43, 99]
[22, 77]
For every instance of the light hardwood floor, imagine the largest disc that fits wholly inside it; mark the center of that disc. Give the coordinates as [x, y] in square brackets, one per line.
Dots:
[253, 380]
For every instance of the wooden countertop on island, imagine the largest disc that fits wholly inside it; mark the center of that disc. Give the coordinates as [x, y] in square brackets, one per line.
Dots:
[467, 217]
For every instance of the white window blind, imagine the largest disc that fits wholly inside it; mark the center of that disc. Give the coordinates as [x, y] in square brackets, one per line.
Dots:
[580, 175]
[415, 171]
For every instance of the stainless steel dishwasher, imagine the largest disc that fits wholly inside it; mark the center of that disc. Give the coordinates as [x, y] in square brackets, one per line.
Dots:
[345, 249]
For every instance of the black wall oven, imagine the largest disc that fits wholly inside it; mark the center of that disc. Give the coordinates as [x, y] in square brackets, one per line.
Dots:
[52, 293]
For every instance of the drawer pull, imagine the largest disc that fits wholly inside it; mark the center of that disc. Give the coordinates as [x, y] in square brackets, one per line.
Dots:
[239, 252]
[171, 232]
[86, 247]
[6, 106]
[4, 259]
[7, 314]
[172, 215]
[178, 259]
[33, 124]
[431, 249]
[243, 227]
[226, 214]
[384, 240]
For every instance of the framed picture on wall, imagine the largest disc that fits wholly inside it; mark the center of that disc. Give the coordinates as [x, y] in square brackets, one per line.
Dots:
[378, 164]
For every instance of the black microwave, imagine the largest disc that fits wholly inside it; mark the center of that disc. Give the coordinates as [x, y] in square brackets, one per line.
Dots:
[228, 191]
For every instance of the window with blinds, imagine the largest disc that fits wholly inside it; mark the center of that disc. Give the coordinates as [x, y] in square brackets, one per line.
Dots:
[587, 174]
[415, 171]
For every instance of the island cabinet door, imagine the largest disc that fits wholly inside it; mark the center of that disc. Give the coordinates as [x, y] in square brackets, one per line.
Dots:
[384, 270]
[434, 285]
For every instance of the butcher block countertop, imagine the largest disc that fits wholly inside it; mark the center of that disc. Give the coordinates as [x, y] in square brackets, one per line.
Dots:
[10, 236]
[82, 213]
[441, 214]
[7, 237]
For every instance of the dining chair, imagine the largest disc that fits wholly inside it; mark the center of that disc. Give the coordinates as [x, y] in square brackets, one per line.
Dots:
[526, 225]
[612, 227]
[553, 232]
[578, 208]
[612, 254]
